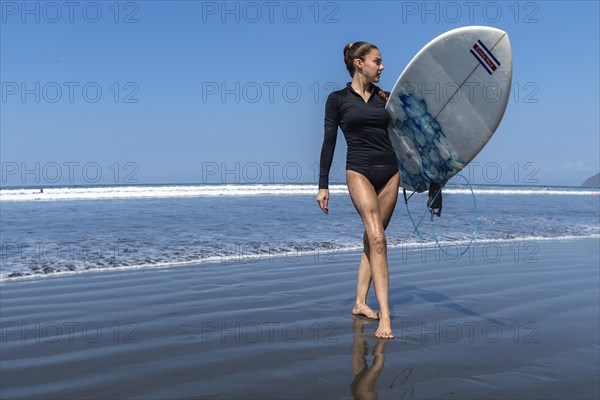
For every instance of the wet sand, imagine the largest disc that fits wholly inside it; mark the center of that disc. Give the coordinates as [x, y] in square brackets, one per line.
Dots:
[505, 321]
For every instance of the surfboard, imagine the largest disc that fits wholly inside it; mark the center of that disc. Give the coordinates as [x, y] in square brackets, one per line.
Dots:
[448, 102]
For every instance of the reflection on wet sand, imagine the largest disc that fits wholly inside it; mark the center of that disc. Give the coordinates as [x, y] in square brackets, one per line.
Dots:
[365, 378]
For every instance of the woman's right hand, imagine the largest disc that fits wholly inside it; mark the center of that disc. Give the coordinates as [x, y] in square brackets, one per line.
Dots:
[323, 199]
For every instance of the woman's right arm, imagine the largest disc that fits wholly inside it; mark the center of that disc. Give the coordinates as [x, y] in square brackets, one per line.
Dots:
[330, 135]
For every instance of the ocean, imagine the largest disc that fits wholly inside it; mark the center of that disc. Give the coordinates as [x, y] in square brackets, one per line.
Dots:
[76, 230]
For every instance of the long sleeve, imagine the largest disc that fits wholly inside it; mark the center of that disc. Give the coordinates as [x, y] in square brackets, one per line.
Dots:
[329, 139]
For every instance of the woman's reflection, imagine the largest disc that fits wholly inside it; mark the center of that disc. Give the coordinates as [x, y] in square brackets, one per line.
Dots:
[365, 378]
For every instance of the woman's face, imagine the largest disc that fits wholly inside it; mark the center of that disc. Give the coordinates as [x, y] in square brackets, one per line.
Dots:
[371, 66]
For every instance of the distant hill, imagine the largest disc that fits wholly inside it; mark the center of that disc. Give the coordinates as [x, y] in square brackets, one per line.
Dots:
[594, 181]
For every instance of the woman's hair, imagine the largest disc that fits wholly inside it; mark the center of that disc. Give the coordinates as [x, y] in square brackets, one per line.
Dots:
[355, 50]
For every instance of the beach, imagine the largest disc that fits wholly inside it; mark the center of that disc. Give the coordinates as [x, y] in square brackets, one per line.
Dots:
[164, 232]
[509, 320]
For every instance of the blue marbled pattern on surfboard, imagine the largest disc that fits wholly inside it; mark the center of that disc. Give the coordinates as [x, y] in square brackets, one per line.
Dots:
[423, 135]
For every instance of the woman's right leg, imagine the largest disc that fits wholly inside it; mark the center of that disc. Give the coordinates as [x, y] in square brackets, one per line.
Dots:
[366, 202]
[387, 202]
[363, 284]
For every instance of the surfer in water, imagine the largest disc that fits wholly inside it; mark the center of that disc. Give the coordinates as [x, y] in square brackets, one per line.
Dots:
[371, 170]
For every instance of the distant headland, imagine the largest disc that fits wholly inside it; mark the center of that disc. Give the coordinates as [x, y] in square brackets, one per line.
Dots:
[594, 181]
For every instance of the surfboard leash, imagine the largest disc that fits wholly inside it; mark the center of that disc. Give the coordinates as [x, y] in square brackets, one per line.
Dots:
[416, 230]
[433, 204]
[473, 234]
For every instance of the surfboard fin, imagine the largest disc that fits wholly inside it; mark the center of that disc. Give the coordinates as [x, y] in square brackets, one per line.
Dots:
[434, 202]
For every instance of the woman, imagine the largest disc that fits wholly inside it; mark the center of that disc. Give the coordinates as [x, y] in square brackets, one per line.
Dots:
[371, 170]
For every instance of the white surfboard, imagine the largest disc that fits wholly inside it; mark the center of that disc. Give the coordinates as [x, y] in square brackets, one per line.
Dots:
[448, 102]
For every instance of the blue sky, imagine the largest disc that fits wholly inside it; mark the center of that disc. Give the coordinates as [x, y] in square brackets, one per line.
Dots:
[202, 91]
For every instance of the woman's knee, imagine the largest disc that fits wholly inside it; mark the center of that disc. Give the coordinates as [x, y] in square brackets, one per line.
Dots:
[377, 241]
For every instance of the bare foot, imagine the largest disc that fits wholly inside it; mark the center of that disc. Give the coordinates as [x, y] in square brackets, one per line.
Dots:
[384, 330]
[363, 309]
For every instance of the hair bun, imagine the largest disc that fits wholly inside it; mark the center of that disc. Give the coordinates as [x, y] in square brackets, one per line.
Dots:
[347, 48]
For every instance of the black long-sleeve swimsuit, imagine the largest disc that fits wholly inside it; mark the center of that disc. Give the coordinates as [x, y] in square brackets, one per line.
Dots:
[364, 125]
